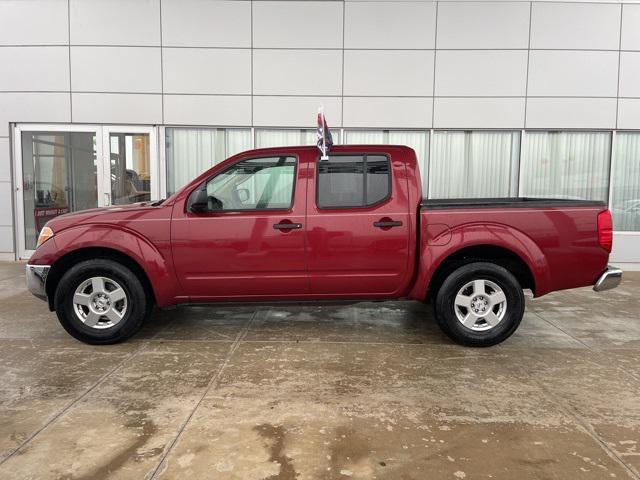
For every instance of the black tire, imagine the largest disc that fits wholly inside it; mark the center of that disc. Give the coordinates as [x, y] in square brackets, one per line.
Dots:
[137, 302]
[445, 307]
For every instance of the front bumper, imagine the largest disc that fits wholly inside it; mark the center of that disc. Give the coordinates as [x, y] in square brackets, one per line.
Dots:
[36, 280]
[609, 279]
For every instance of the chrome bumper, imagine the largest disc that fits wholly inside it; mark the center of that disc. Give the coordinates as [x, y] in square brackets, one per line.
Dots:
[36, 279]
[609, 279]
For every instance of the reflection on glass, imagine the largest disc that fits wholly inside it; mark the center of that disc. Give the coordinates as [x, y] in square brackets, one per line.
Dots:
[625, 201]
[59, 175]
[130, 168]
[254, 184]
[573, 165]
[474, 164]
[287, 138]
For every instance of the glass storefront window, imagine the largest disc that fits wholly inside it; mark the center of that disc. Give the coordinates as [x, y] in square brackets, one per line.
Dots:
[474, 164]
[189, 152]
[130, 168]
[291, 137]
[59, 175]
[573, 165]
[287, 138]
[418, 140]
[625, 183]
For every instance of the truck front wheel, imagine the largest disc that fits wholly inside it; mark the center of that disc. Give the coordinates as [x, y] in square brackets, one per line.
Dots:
[479, 305]
[100, 302]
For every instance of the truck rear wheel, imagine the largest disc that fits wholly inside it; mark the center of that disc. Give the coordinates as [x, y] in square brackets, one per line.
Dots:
[101, 302]
[479, 305]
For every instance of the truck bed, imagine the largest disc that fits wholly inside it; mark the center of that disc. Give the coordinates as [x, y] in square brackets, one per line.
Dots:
[509, 202]
[559, 237]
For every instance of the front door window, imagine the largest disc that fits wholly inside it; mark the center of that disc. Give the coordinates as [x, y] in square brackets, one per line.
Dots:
[254, 184]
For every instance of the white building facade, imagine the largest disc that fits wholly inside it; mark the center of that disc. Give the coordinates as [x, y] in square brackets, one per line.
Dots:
[114, 101]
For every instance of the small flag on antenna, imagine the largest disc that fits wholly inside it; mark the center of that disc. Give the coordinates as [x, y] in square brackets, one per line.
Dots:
[325, 140]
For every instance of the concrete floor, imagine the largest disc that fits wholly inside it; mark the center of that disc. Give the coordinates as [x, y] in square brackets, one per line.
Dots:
[368, 391]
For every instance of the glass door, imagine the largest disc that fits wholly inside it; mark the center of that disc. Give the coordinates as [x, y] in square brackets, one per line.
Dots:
[57, 172]
[67, 168]
[131, 166]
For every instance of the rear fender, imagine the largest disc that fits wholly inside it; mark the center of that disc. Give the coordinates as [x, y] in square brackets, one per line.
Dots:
[492, 234]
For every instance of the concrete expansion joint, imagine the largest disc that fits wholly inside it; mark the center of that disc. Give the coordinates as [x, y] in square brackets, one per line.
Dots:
[601, 355]
[212, 384]
[74, 402]
[583, 425]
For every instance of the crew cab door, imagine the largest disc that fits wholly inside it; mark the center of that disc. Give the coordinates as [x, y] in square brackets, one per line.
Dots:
[240, 234]
[358, 225]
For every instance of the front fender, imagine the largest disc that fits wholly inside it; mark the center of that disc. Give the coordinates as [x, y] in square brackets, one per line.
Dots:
[477, 234]
[157, 266]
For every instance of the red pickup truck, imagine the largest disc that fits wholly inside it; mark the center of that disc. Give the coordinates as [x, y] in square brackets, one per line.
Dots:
[281, 224]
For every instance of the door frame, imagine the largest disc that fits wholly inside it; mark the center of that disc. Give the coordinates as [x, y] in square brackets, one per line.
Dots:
[103, 163]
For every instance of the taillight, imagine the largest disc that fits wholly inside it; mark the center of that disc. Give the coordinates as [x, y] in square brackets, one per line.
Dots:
[605, 230]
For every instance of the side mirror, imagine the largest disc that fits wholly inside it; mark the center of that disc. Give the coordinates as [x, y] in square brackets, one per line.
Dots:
[198, 201]
[243, 194]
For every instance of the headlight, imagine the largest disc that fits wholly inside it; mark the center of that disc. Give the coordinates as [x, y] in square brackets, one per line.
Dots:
[45, 234]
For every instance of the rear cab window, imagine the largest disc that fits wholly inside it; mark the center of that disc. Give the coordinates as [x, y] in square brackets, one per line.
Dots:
[353, 181]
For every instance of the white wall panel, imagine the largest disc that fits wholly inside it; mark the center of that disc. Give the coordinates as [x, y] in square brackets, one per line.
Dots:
[117, 108]
[573, 73]
[625, 249]
[34, 68]
[630, 74]
[387, 112]
[207, 70]
[6, 239]
[116, 69]
[297, 24]
[483, 25]
[33, 107]
[295, 111]
[575, 25]
[197, 23]
[216, 110]
[297, 72]
[36, 22]
[389, 24]
[630, 39]
[478, 113]
[115, 22]
[571, 112]
[6, 213]
[5, 160]
[481, 73]
[388, 72]
[629, 113]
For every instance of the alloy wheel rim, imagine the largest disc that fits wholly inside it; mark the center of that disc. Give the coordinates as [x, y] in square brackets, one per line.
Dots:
[480, 305]
[100, 302]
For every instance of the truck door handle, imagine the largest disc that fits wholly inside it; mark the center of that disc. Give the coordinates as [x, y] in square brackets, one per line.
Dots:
[387, 223]
[287, 226]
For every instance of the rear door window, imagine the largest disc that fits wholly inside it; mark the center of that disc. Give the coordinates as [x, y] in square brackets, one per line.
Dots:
[352, 181]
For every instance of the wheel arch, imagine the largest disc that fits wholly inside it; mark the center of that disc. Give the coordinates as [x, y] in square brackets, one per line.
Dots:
[64, 263]
[498, 255]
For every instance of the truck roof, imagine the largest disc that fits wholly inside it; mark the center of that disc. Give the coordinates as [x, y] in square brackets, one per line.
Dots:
[360, 148]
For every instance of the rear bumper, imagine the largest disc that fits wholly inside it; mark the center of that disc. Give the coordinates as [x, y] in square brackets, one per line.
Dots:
[36, 280]
[609, 279]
